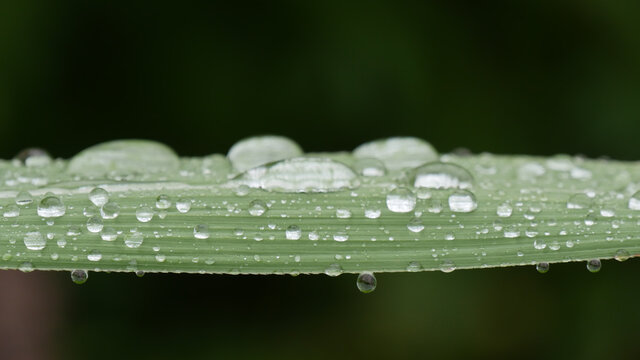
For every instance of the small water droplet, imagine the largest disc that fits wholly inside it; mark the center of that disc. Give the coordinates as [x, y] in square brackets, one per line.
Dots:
[366, 282]
[99, 196]
[343, 213]
[95, 224]
[183, 205]
[201, 231]
[24, 198]
[401, 200]
[51, 206]
[333, 270]
[144, 214]
[293, 232]
[542, 267]
[109, 234]
[341, 236]
[594, 265]
[34, 240]
[26, 267]
[372, 213]
[134, 239]
[462, 201]
[11, 211]
[504, 210]
[634, 201]
[579, 201]
[622, 255]
[79, 276]
[415, 225]
[414, 266]
[94, 255]
[447, 266]
[257, 207]
[110, 210]
[539, 244]
[163, 202]
[439, 175]
[370, 167]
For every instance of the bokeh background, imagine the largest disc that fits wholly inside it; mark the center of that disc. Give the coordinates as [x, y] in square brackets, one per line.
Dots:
[534, 77]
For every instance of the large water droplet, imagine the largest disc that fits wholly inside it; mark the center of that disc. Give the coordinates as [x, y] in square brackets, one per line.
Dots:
[594, 265]
[301, 175]
[51, 206]
[34, 240]
[255, 151]
[366, 282]
[401, 200]
[398, 152]
[439, 175]
[79, 276]
[124, 157]
[462, 201]
[34, 157]
[98, 196]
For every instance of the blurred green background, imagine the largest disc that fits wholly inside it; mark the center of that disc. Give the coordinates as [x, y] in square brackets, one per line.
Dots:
[534, 77]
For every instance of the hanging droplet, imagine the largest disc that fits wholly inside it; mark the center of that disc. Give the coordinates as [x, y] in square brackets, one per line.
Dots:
[401, 200]
[79, 276]
[99, 196]
[594, 265]
[462, 201]
[366, 282]
[542, 267]
[439, 175]
[51, 206]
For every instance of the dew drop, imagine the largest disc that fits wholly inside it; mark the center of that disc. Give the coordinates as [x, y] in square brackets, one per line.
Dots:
[110, 210]
[11, 211]
[24, 198]
[33, 157]
[163, 202]
[634, 201]
[333, 270]
[462, 201]
[439, 175]
[183, 206]
[622, 255]
[398, 152]
[109, 234]
[133, 240]
[255, 151]
[579, 201]
[539, 244]
[293, 232]
[504, 210]
[372, 213]
[51, 206]
[343, 213]
[366, 282]
[447, 266]
[26, 267]
[34, 240]
[79, 276]
[542, 267]
[201, 231]
[94, 224]
[594, 265]
[370, 167]
[99, 196]
[415, 225]
[401, 200]
[257, 207]
[144, 214]
[414, 266]
[94, 255]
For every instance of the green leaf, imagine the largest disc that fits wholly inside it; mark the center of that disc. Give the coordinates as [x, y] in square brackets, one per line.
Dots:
[136, 206]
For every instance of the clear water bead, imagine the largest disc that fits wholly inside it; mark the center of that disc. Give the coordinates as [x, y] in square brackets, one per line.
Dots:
[95, 224]
[255, 151]
[462, 201]
[401, 200]
[398, 152]
[183, 206]
[110, 210]
[414, 266]
[144, 214]
[634, 201]
[622, 255]
[79, 276]
[133, 240]
[201, 231]
[366, 282]
[293, 232]
[163, 202]
[594, 265]
[23, 198]
[99, 196]
[11, 211]
[542, 267]
[370, 167]
[579, 201]
[504, 210]
[439, 175]
[333, 270]
[257, 207]
[94, 255]
[415, 225]
[34, 240]
[51, 206]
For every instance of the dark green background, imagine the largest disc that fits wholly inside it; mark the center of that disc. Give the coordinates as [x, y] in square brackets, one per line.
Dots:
[534, 77]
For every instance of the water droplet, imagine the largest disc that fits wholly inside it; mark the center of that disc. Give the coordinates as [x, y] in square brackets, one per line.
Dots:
[579, 201]
[539, 244]
[414, 266]
[133, 240]
[94, 255]
[124, 157]
[11, 211]
[341, 236]
[201, 231]
[504, 210]
[161, 258]
[257, 207]
[144, 214]
[183, 205]
[242, 190]
[94, 224]
[439, 175]
[26, 267]
[79, 276]
[33, 157]
[343, 213]
[370, 167]
[301, 175]
[51, 206]
[594, 265]
[401, 200]
[110, 210]
[634, 201]
[372, 213]
[24, 198]
[109, 234]
[293, 232]
[542, 267]
[366, 282]
[255, 151]
[398, 152]
[622, 255]
[163, 202]
[434, 206]
[447, 266]
[333, 270]
[34, 240]
[99, 196]
[462, 201]
[415, 225]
